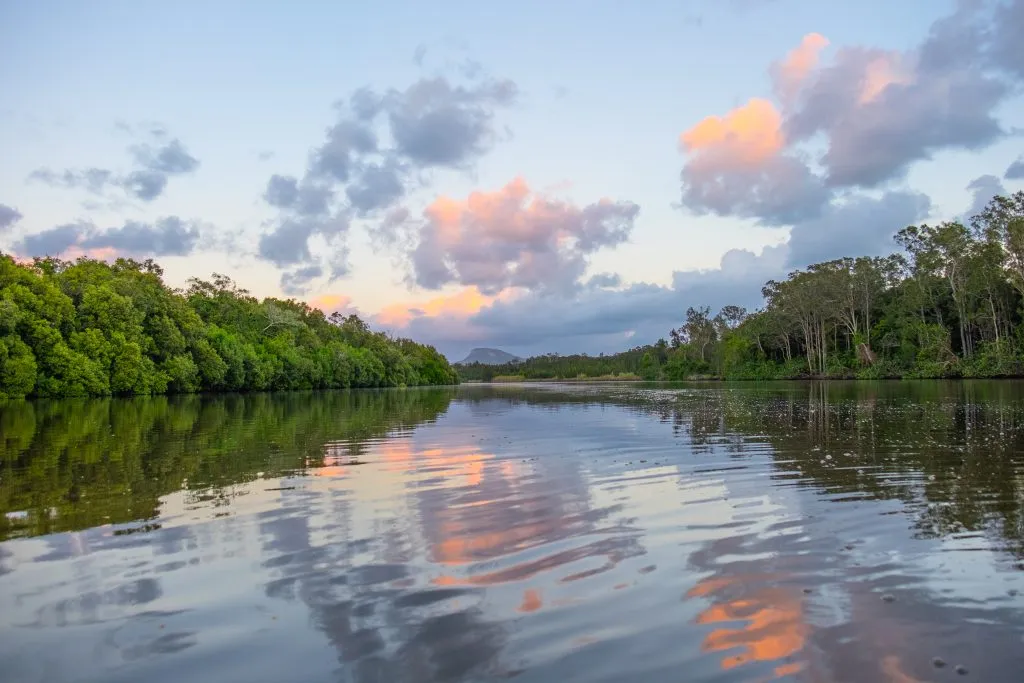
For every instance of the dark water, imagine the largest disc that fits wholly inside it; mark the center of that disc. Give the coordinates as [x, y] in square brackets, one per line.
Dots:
[812, 532]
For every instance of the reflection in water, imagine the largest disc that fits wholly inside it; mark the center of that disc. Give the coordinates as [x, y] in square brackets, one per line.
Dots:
[580, 532]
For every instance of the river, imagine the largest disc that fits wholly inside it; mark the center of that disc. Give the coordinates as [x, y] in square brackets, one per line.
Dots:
[857, 531]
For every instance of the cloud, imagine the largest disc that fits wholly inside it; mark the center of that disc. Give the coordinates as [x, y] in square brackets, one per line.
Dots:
[1007, 49]
[8, 216]
[736, 166]
[378, 186]
[153, 165]
[513, 238]
[370, 158]
[298, 281]
[52, 242]
[467, 301]
[789, 74]
[879, 111]
[171, 158]
[983, 189]
[1015, 171]
[94, 180]
[332, 303]
[434, 123]
[855, 226]
[168, 236]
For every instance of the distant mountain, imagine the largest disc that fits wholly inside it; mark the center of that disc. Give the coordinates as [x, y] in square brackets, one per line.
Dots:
[488, 357]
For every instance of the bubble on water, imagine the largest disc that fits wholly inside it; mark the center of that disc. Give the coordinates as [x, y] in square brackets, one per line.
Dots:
[828, 457]
[860, 471]
[960, 669]
[888, 597]
[938, 662]
[931, 477]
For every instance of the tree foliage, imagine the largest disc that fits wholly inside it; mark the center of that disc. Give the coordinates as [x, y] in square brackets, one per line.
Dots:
[91, 328]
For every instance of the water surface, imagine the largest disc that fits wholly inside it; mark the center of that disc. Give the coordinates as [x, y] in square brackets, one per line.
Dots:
[718, 532]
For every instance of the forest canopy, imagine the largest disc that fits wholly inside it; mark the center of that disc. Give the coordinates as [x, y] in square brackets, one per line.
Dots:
[948, 304]
[92, 328]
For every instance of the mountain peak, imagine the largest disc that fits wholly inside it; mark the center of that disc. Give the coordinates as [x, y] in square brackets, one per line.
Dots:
[487, 356]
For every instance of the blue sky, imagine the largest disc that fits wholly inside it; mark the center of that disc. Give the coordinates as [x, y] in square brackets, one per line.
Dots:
[566, 120]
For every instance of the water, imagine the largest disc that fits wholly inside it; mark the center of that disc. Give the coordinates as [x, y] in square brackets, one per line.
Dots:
[717, 532]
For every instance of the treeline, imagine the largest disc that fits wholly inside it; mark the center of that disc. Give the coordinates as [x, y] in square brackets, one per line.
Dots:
[91, 328]
[949, 304]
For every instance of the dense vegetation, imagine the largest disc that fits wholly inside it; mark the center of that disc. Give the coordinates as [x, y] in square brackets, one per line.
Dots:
[89, 328]
[948, 305]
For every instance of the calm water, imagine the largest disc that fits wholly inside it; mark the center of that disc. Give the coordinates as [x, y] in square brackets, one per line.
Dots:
[811, 532]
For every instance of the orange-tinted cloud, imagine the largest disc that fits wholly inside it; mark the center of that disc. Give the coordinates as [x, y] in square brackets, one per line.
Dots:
[514, 237]
[790, 73]
[329, 303]
[462, 304]
[746, 136]
[738, 165]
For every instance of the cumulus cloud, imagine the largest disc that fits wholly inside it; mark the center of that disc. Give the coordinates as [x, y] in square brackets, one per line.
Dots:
[8, 216]
[370, 157]
[153, 164]
[1015, 171]
[52, 242]
[856, 226]
[168, 236]
[736, 165]
[875, 112]
[881, 110]
[514, 238]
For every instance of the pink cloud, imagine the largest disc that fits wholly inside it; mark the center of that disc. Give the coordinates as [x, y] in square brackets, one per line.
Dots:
[513, 237]
[791, 73]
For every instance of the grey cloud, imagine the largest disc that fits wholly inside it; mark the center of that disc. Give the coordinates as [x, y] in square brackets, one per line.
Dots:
[778, 191]
[604, 280]
[418, 54]
[365, 103]
[1007, 50]
[8, 216]
[858, 226]
[153, 166]
[170, 236]
[169, 159]
[288, 243]
[983, 189]
[296, 283]
[1015, 171]
[307, 199]
[94, 180]
[436, 124]
[432, 123]
[145, 185]
[282, 191]
[377, 186]
[345, 140]
[53, 241]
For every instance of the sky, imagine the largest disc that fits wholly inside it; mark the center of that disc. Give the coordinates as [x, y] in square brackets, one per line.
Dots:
[541, 178]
